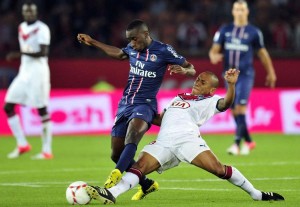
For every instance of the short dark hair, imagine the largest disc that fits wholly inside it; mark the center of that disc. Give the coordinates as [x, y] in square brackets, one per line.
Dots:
[136, 24]
[241, 2]
[214, 78]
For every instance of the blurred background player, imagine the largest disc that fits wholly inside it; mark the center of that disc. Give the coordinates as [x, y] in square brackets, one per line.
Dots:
[31, 87]
[238, 41]
[149, 60]
[179, 140]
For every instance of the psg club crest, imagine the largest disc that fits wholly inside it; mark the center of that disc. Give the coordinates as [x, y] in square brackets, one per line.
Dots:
[153, 58]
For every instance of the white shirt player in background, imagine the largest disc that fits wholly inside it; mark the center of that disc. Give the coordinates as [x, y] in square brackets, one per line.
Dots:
[179, 140]
[31, 87]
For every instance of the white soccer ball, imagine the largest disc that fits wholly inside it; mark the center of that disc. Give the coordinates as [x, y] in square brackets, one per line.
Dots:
[76, 193]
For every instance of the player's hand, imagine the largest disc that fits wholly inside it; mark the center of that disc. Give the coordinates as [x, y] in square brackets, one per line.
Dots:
[216, 58]
[177, 69]
[12, 55]
[85, 39]
[231, 76]
[271, 80]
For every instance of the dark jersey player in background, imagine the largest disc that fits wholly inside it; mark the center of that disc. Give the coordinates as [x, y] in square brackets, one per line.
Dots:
[238, 41]
[149, 60]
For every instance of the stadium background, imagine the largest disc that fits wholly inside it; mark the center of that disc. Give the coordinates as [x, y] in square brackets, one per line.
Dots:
[187, 25]
[272, 166]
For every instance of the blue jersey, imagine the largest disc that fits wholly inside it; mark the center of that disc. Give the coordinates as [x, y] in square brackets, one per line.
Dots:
[239, 44]
[147, 69]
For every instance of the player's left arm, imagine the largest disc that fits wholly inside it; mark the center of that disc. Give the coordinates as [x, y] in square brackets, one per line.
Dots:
[268, 65]
[231, 77]
[158, 118]
[186, 69]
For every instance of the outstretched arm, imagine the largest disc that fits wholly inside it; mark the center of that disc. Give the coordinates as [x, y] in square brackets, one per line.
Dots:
[111, 51]
[230, 77]
[267, 63]
[186, 69]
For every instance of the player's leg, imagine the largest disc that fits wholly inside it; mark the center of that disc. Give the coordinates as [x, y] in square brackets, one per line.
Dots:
[119, 131]
[117, 147]
[117, 144]
[46, 135]
[209, 162]
[149, 161]
[243, 89]
[15, 125]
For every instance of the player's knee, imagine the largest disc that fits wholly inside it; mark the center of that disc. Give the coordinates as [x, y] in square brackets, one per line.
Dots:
[134, 136]
[9, 109]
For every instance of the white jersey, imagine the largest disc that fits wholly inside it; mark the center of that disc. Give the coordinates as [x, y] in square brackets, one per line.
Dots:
[30, 38]
[184, 117]
[32, 85]
[179, 138]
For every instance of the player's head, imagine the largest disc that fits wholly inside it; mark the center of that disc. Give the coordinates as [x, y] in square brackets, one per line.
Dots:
[205, 84]
[137, 34]
[240, 11]
[29, 12]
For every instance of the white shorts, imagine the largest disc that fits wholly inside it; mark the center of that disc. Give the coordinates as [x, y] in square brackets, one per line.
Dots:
[34, 92]
[169, 155]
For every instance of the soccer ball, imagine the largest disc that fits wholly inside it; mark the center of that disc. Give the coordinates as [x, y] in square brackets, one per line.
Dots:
[76, 193]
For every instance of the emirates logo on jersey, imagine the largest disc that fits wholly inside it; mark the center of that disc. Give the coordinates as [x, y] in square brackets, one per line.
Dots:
[180, 104]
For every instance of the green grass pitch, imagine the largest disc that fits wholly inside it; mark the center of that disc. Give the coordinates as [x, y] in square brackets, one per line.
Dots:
[273, 166]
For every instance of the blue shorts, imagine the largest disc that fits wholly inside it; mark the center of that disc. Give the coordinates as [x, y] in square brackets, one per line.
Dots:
[127, 112]
[243, 89]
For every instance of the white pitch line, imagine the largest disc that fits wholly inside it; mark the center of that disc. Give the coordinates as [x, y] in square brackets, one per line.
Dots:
[56, 170]
[97, 169]
[218, 189]
[42, 185]
[255, 164]
[51, 183]
[220, 180]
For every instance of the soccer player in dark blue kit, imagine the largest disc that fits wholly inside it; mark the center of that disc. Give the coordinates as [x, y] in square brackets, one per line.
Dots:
[149, 60]
[236, 43]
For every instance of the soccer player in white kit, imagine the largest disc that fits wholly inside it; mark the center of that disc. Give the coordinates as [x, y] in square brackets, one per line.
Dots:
[179, 140]
[31, 87]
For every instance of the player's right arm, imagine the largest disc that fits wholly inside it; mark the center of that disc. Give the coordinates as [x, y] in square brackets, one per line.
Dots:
[111, 51]
[215, 54]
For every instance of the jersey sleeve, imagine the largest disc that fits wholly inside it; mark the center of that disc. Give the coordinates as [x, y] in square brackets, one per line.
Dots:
[258, 41]
[219, 37]
[44, 35]
[126, 50]
[214, 103]
[171, 56]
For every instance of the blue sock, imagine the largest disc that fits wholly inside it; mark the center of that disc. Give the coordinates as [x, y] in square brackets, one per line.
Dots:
[242, 130]
[238, 137]
[126, 157]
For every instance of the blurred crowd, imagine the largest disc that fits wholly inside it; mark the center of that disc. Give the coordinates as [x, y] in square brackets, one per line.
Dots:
[188, 25]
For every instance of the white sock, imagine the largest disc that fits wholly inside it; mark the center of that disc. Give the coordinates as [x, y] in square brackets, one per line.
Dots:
[238, 179]
[46, 135]
[128, 181]
[16, 128]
